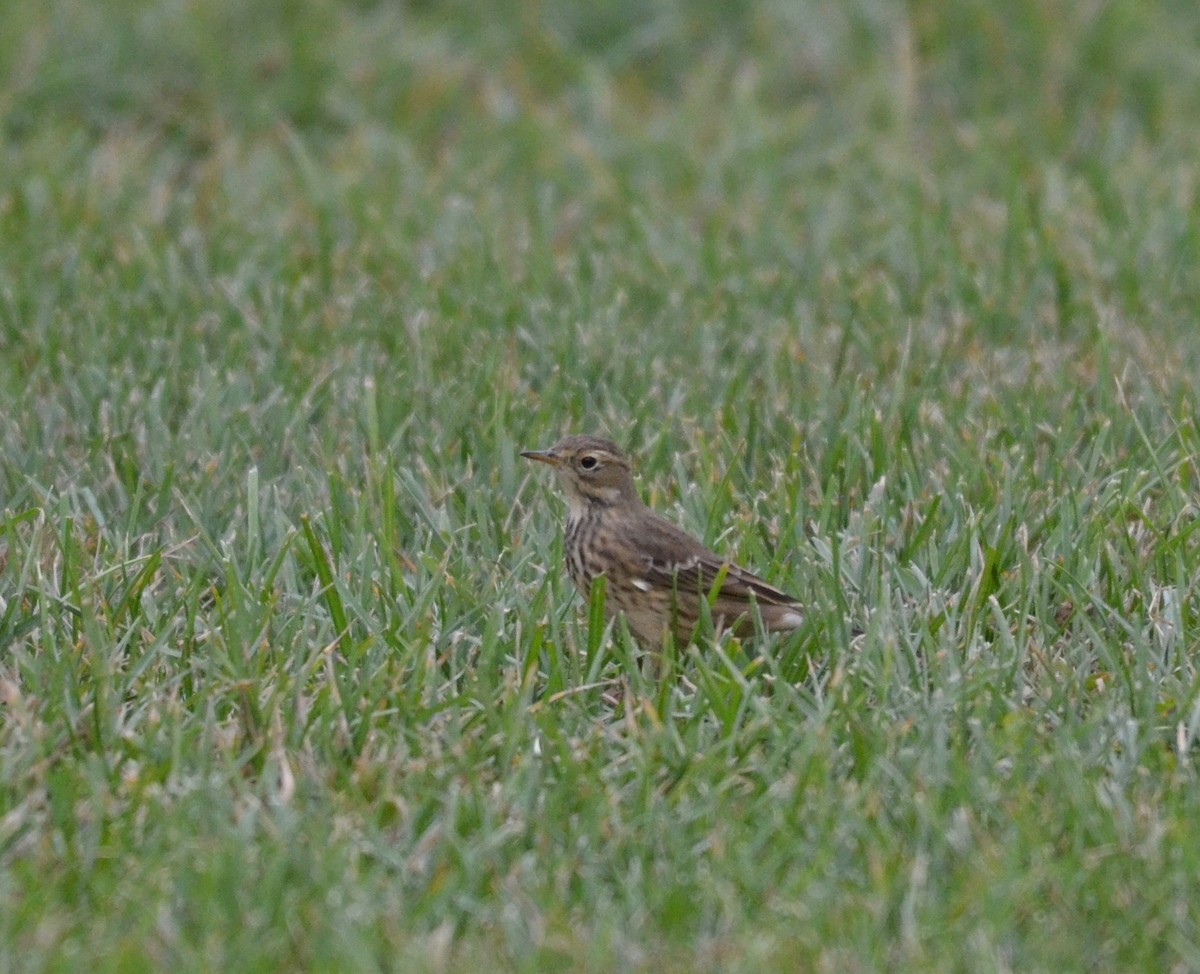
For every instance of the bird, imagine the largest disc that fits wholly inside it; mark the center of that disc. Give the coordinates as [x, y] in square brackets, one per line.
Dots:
[655, 574]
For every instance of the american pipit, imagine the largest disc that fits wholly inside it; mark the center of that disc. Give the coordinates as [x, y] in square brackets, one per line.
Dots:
[655, 574]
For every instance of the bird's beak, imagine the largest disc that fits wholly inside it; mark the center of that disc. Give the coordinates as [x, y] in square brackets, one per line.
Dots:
[542, 456]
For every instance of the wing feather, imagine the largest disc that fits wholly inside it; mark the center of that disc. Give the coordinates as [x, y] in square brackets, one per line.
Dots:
[673, 558]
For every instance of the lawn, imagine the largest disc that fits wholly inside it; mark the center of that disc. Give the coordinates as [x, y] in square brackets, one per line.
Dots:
[897, 304]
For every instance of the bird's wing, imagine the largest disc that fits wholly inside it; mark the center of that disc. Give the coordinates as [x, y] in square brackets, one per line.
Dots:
[676, 560]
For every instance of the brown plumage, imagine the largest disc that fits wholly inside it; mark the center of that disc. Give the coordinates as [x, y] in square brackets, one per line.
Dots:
[655, 574]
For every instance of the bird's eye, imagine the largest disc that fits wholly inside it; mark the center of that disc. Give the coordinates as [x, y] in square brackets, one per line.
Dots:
[588, 462]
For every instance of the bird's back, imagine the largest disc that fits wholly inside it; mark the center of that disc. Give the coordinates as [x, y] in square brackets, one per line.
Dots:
[657, 574]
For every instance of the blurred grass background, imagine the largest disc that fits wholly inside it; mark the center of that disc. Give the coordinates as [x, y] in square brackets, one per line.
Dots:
[895, 302]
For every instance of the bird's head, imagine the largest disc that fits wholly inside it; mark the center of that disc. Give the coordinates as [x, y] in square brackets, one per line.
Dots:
[592, 471]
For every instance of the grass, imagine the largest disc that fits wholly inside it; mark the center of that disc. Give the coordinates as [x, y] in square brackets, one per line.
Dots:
[894, 303]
